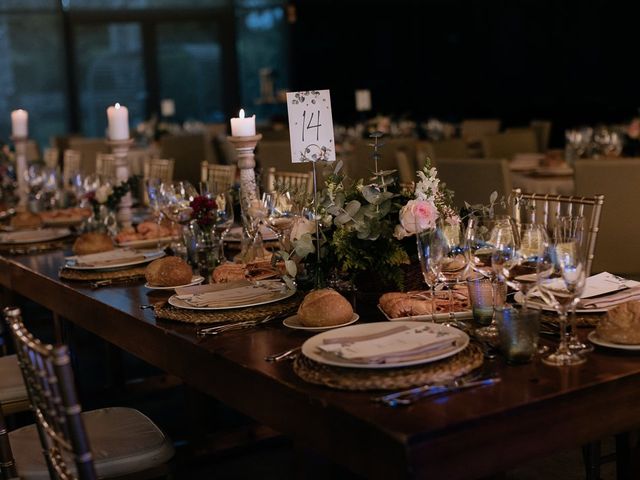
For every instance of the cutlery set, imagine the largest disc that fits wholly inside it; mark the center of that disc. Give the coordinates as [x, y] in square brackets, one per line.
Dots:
[216, 330]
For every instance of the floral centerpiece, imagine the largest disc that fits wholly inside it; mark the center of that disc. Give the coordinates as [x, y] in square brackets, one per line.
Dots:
[104, 202]
[203, 219]
[203, 211]
[364, 227]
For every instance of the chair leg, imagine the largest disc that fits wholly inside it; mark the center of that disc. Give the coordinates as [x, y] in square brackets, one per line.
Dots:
[591, 458]
[623, 456]
[7, 463]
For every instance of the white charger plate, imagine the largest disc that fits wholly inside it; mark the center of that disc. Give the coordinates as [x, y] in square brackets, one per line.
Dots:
[537, 303]
[34, 236]
[310, 347]
[195, 280]
[149, 257]
[176, 302]
[293, 322]
[593, 338]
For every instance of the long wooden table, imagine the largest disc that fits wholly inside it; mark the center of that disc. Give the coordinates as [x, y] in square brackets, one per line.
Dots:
[535, 410]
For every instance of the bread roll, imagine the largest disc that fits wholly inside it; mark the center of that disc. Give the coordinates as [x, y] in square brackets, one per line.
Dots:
[168, 272]
[92, 242]
[324, 308]
[26, 220]
[621, 324]
[229, 272]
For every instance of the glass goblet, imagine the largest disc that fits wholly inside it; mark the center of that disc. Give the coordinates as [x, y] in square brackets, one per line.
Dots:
[431, 253]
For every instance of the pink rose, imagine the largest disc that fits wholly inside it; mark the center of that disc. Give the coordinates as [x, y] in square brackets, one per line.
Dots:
[418, 215]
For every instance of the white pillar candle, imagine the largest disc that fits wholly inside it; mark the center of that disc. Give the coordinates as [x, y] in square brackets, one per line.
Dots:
[243, 127]
[118, 116]
[20, 123]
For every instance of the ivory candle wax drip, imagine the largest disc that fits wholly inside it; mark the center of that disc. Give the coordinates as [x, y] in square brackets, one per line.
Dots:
[118, 117]
[20, 123]
[243, 127]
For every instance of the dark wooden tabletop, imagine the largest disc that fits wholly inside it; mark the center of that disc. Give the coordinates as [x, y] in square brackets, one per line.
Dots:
[534, 411]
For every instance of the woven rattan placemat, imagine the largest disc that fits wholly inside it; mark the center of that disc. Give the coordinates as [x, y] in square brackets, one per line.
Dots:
[93, 275]
[283, 308]
[389, 379]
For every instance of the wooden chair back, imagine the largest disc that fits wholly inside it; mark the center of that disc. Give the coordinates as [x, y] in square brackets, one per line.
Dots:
[106, 165]
[221, 177]
[472, 130]
[546, 208]
[70, 165]
[474, 180]
[51, 156]
[293, 180]
[49, 380]
[160, 168]
[89, 149]
[619, 237]
[508, 144]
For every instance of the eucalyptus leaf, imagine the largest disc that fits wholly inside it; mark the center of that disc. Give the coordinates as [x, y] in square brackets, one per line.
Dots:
[352, 207]
[372, 194]
[291, 268]
[289, 282]
[339, 165]
[342, 219]
[493, 197]
[304, 245]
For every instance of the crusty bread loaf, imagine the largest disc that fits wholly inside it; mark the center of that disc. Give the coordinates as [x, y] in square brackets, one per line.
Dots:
[621, 324]
[324, 308]
[92, 242]
[26, 220]
[229, 272]
[168, 272]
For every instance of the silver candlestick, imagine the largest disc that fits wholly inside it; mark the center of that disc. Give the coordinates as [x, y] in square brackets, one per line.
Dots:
[120, 150]
[21, 170]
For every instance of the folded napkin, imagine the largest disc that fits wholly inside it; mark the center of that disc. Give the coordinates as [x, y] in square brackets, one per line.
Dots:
[29, 235]
[397, 344]
[236, 297]
[106, 259]
[611, 300]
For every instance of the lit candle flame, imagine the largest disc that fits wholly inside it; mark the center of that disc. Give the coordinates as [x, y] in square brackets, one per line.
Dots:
[117, 105]
[241, 114]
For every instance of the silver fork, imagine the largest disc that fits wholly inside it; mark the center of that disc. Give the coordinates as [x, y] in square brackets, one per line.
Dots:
[233, 326]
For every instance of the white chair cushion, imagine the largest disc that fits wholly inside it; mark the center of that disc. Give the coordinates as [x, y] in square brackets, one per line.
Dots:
[122, 440]
[12, 387]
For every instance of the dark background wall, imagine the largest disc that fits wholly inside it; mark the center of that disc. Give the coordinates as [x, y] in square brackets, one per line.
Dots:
[571, 62]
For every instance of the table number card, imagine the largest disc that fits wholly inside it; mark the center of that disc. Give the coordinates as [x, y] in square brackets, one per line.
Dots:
[311, 126]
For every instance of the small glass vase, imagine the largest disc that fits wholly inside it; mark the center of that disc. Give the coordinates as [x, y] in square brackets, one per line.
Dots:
[204, 249]
[102, 220]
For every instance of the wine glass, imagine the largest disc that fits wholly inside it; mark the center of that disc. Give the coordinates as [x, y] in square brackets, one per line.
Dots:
[561, 276]
[281, 215]
[570, 228]
[432, 250]
[174, 201]
[521, 274]
[483, 232]
[454, 262]
[224, 219]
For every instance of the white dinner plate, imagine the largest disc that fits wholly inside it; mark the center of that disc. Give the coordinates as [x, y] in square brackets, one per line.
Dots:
[148, 257]
[310, 347]
[195, 280]
[235, 234]
[593, 338]
[293, 322]
[63, 221]
[146, 243]
[176, 302]
[33, 236]
[538, 303]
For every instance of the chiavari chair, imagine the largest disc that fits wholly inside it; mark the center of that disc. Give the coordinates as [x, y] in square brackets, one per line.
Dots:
[126, 442]
[106, 165]
[159, 168]
[51, 156]
[292, 180]
[546, 208]
[70, 164]
[221, 176]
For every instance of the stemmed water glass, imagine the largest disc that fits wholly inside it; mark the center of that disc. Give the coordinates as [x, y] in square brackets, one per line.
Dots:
[521, 272]
[482, 235]
[454, 263]
[432, 249]
[224, 219]
[570, 228]
[561, 277]
[174, 200]
[281, 214]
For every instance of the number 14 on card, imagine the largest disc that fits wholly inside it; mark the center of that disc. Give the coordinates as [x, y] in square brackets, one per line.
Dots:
[311, 126]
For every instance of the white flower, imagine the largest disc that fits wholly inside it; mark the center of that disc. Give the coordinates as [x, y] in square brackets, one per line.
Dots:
[428, 185]
[302, 226]
[103, 192]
